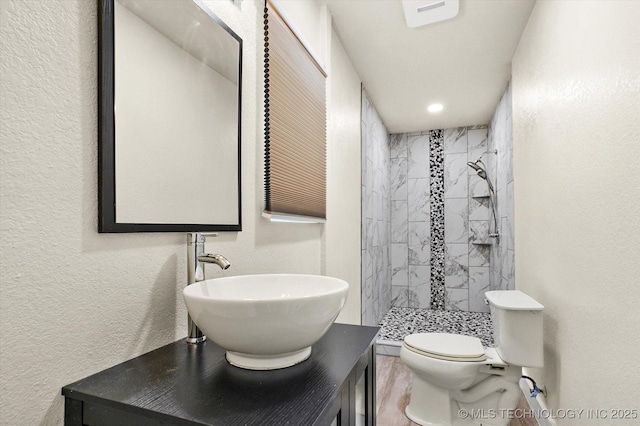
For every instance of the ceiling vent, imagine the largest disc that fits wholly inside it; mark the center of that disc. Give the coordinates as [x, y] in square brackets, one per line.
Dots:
[424, 12]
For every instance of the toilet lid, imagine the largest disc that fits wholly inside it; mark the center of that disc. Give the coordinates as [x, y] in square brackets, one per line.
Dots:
[453, 347]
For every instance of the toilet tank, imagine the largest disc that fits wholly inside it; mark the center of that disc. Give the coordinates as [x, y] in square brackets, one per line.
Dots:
[517, 327]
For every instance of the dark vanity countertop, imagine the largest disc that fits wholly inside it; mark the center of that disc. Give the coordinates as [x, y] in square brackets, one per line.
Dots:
[193, 384]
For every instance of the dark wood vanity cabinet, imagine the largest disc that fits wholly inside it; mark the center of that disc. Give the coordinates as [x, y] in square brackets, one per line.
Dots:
[182, 384]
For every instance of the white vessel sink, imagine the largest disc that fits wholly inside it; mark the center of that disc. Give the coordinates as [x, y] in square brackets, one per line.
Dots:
[267, 321]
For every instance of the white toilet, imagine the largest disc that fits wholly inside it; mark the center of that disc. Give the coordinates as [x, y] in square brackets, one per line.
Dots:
[456, 381]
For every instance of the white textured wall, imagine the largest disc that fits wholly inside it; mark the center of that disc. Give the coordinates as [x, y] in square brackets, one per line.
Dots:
[311, 21]
[341, 238]
[72, 301]
[341, 248]
[576, 104]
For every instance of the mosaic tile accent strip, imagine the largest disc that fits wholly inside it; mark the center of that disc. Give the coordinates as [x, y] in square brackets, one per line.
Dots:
[400, 322]
[436, 167]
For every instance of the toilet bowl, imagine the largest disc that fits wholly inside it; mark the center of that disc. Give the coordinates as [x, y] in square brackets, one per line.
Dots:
[450, 380]
[456, 381]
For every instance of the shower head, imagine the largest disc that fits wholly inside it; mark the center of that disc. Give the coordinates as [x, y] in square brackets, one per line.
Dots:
[474, 166]
[477, 166]
[481, 171]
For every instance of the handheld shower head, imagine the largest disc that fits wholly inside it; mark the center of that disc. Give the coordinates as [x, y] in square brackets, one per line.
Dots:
[474, 166]
[481, 171]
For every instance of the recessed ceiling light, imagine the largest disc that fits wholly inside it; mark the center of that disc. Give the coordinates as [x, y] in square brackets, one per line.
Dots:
[435, 108]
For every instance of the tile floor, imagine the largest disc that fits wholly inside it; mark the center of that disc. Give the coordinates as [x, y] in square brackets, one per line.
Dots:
[393, 385]
[399, 322]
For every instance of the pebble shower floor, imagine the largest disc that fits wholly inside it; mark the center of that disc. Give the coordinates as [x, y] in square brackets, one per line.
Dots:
[400, 322]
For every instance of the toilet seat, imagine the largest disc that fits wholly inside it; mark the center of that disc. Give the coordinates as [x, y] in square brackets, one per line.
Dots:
[445, 346]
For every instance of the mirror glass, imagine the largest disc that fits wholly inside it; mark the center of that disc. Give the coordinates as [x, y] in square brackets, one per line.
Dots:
[170, 119]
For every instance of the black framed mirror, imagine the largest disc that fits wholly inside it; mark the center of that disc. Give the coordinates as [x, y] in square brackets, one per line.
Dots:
[169, 75]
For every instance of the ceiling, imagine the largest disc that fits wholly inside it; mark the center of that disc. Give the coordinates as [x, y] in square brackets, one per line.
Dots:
[463, 63]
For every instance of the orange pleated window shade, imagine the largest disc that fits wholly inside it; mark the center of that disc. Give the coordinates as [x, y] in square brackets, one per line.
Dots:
[295, 123]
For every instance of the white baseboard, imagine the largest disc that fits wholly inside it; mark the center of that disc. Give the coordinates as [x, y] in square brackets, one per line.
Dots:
[536, 404]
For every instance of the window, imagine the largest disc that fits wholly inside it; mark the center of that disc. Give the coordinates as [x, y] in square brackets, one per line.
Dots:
[295, 125]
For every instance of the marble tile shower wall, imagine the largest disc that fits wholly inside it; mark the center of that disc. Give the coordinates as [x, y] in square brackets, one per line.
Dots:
[466, 221]
[500, 138]
[376, 217]
[410, 220]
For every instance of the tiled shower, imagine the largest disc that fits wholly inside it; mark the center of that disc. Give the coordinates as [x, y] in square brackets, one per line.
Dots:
[451, 204]
[426, 217]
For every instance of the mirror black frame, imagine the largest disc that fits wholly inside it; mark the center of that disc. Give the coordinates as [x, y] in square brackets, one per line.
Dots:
[106, 135]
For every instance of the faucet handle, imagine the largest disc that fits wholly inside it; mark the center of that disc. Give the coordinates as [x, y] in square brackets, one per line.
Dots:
[199, 237]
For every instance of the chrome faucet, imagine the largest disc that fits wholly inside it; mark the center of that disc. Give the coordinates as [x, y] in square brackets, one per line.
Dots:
[196, 258]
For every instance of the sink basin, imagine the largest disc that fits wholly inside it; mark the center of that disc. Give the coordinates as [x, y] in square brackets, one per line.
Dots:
[265, 322]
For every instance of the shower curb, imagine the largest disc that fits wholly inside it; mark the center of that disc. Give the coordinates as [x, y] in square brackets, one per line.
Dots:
[388, 347]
